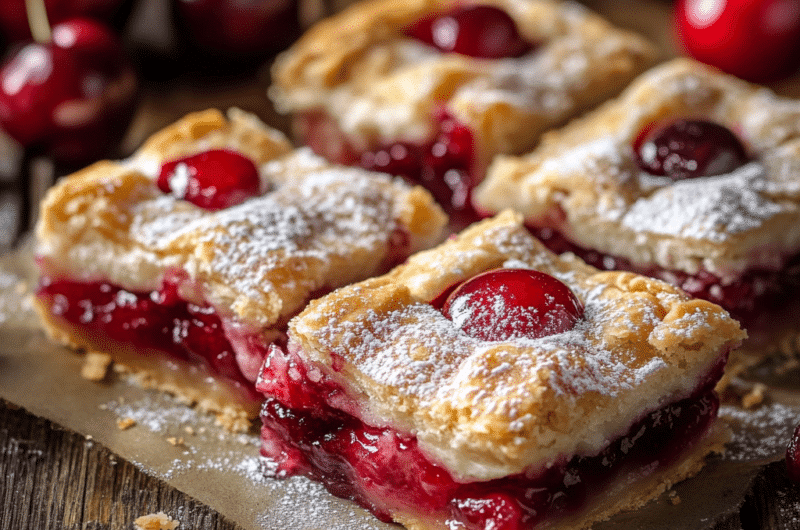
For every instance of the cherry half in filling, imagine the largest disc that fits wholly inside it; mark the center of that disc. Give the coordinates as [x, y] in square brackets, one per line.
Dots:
[480, 31]
[386, 472]
[504, 304]
[689, 148]
[152, 321]
[213, 180]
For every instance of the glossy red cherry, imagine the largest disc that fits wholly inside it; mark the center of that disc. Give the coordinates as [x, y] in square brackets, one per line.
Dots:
[757, 40]
[503, 304]
[793, 456]
[239, 28]
[213, 180]
[14, 25]
[71, 97]
[689, 148]
[477, 31]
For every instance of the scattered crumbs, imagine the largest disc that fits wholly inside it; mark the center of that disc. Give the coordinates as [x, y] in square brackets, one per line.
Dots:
[175, 441]
[189, 430]
[754, 397]
[95, 366]
[157, 413]
[674, 498]
[125, 423]
[155, 521]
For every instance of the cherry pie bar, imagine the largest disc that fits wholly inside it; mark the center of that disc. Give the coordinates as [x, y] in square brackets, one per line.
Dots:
[690, 176]
[186, 261]
[433, 89]
[490, 384]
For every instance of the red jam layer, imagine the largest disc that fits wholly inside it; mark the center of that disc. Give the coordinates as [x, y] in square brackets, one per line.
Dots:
[385, 471]
[154, 320]
[755, 293]
[444, 165]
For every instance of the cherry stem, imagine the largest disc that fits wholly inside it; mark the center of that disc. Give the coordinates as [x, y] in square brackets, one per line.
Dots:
[37, 20]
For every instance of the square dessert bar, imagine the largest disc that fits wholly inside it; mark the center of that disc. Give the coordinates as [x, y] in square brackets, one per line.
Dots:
[489, 383]
[432, 90]
[690, 176]
[186, 261]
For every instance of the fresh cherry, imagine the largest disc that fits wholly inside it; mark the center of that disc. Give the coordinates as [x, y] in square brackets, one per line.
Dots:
[689, 148]
[14, 24]
[238, 29]
[477, 31]
[503, 304]
[793, 456]
[73, 96]
[757, 40]
[213, 180]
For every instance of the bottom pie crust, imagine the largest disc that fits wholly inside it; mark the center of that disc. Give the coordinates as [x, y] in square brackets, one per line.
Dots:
[233, 406]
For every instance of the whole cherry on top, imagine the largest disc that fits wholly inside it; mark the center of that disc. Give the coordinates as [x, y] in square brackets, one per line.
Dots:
[71, 93]
[503, 304]
[757, 40]
[14, 25]
[481, 31]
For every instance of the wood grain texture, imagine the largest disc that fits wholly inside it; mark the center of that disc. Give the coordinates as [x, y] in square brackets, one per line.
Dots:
[54, 479]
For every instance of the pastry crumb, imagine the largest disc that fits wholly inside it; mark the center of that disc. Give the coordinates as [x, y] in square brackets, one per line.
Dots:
[125, 423]
[755, 397]
[95, 366]
[189, 430]
[155, 521]
[175, 441]
[674, 499]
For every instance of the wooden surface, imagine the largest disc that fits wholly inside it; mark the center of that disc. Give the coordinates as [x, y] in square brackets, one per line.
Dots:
[53, 478]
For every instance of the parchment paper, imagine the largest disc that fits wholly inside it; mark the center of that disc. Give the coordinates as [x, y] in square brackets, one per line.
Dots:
[223, 470]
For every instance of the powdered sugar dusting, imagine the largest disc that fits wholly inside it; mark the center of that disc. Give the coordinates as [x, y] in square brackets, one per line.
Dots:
[712, 208]
[760, 434]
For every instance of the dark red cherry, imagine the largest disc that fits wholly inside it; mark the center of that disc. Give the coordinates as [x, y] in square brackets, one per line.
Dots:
[72, 96]
[477, 31]
[504, 304]
[689, 148]
[793, 456]
[213, 180]
[238, 29]
[757, 40]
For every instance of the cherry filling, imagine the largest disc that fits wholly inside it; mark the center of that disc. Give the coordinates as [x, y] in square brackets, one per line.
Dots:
[477, 31]
[512, 303]
[385, 471]
[793, 456]
[755, 293]
[688, 149]
[213, 180]
[444, 165]
[155, 321]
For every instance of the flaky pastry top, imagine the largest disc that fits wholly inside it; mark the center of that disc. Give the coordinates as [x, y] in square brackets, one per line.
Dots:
[487, 409]
[381, 86]
[583, 179]
[316, 227]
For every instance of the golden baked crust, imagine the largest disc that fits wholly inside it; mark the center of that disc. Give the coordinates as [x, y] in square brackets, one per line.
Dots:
[379, 85]
[583, 179]
[317, 226]
[491, 409]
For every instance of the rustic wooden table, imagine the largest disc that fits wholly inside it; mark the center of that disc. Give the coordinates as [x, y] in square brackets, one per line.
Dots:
[52, 478]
